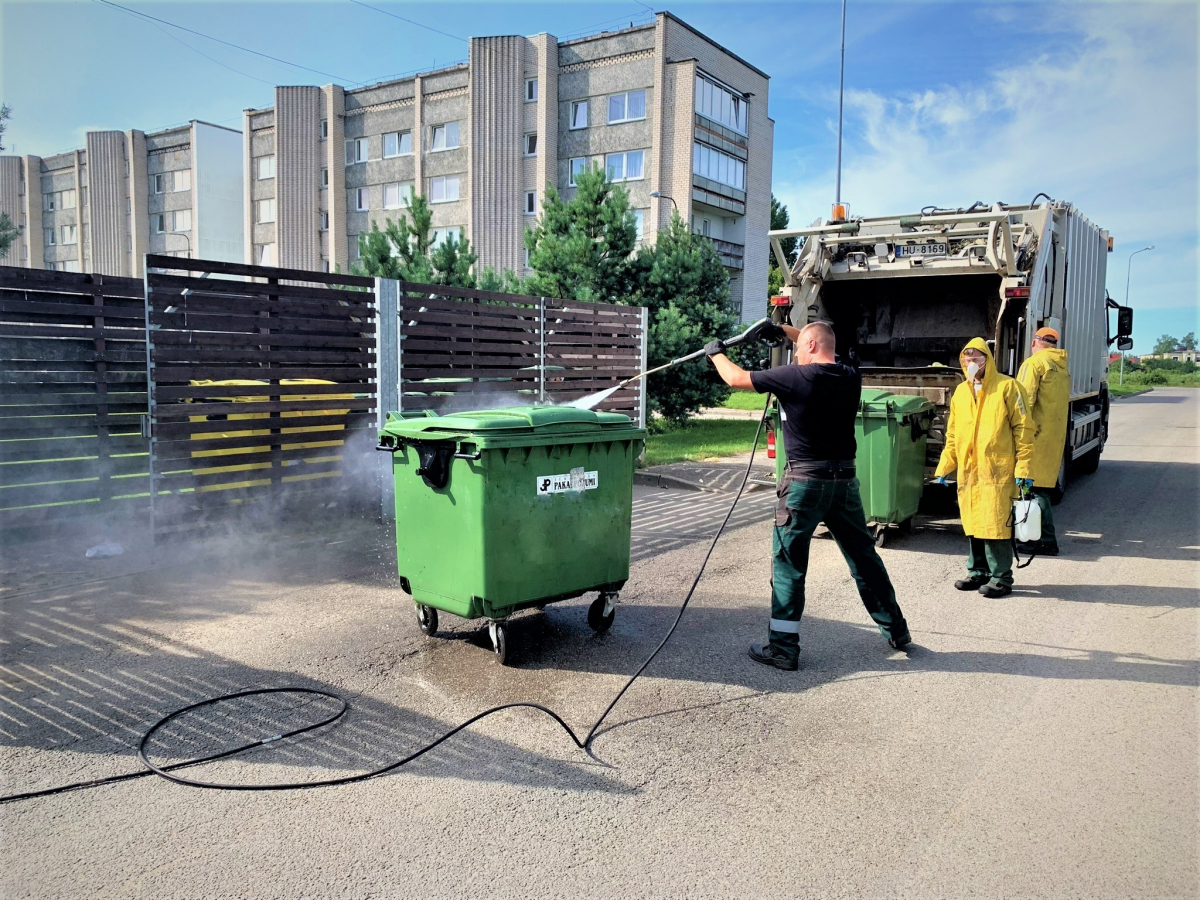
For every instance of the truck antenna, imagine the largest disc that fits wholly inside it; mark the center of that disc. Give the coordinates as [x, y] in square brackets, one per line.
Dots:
[839, 212]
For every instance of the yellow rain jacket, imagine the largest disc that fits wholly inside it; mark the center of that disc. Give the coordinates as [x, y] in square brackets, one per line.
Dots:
[989, 443]
[1047, 384]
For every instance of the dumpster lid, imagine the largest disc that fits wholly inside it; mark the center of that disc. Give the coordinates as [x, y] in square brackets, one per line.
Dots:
[876, 402]
[509, 419]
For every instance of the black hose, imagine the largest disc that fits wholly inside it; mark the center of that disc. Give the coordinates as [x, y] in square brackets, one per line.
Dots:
[584, 744]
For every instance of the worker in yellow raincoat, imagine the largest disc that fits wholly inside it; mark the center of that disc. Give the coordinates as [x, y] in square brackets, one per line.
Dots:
[1047, 385]
[989, 443]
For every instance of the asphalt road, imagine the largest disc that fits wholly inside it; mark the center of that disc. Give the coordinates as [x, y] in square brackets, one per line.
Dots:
[1041, 745]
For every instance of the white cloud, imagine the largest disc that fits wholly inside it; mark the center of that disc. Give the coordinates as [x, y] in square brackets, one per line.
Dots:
[1110, 125]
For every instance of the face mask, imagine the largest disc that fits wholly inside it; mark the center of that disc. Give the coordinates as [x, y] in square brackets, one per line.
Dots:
[973, 370]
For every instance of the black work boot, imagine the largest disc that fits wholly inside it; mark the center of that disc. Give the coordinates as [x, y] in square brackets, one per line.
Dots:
[994, 589]
[974, 583]
[769, 656]
[900, 641]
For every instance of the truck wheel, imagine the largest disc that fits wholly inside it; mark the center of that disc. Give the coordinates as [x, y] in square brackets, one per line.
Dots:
[1060, 486]
[1090, 461]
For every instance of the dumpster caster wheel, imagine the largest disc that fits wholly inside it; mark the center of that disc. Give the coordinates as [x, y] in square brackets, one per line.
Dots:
[880, 535]
[906, 527]
[498, 632]
[427, 620]
[602, 612]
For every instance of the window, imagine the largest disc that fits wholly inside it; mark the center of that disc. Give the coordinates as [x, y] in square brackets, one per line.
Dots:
[324, 221]
[71, 265]
[527, 257]
[578, 165]
[324, 129]
[579, 114]
[397, 143]
[703, 226]
[362, 201]
[162, 183]
[59, 200]
[264, 254]
[626, 107]
[324, 178]
[639, 219]
[624, 166]
[183, 220]
[356, 151]
[50, 241]
[160, 223]
[264, 211]
[68, 234]
[397, 195]
[718, 166]
[531, 144]
[324, 264]
[531, 203]
[181, 180]
[443, 189]
[439, 236]
[444, 137]
[530, 90]
[266, 167]
[713, 101]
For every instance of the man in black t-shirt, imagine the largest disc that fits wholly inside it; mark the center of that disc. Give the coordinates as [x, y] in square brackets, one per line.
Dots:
[819, 398]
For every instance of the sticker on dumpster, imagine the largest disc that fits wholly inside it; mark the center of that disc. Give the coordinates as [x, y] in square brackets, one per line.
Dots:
[575, 480]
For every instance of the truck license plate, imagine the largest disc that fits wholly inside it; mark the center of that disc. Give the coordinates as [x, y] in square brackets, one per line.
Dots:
[920, 250]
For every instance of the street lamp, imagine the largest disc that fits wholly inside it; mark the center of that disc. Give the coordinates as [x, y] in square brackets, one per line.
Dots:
[1128, 269]
[186, 238]
[661, 196]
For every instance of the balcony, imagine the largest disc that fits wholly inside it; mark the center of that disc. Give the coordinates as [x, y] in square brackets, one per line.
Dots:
[732, 255]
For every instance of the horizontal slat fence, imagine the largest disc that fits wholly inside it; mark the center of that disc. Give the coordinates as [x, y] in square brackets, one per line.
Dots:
[463, 348]
[221, 449]
[72, 394]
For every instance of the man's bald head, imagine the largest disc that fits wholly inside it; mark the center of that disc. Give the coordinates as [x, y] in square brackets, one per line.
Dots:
[815, 343]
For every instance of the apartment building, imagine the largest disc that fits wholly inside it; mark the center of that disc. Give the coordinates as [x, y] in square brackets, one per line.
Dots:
[102, 208]
[661, 107]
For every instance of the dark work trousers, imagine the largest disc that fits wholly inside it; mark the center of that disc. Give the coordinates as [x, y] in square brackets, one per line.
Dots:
[991, 559]
[837, 502]
[1049, 538]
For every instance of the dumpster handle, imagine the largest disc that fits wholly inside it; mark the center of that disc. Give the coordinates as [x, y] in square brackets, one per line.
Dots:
[478, 454]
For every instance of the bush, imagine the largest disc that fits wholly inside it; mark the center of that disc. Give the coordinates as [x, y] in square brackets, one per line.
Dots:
[1154, 377]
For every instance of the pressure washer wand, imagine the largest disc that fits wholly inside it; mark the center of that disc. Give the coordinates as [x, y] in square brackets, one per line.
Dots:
[592, 400]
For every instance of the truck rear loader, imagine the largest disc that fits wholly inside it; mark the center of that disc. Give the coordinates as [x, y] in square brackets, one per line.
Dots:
[906, 293]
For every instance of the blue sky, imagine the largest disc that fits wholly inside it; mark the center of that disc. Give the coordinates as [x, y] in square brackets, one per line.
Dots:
[947, 102]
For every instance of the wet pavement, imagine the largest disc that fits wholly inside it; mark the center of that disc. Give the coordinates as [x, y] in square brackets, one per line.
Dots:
[1043, 745]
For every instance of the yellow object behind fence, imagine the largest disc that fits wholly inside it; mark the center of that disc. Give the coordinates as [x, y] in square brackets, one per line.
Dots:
[259, 466]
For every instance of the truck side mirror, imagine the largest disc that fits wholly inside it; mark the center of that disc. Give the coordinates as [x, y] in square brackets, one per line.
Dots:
[1124, 343]
[1124, 321]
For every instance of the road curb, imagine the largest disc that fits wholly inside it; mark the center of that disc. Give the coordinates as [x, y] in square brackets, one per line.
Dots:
[1134, 394]
[657, 479]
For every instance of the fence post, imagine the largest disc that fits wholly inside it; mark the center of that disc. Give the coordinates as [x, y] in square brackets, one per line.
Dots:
[542, 349]
[644, 365]
[387, 378]
[151, 400]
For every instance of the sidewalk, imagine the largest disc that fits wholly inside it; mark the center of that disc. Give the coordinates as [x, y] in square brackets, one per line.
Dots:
[722, 476]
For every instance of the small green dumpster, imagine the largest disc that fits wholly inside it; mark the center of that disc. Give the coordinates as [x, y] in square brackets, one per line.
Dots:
[890, 431]
[506, 509]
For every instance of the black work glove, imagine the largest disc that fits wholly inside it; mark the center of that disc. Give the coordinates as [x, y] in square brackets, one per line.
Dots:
[767, 332]
[712, 348]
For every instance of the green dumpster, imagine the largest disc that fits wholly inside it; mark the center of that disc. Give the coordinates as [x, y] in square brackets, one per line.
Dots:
[506, 509]
[890, 431]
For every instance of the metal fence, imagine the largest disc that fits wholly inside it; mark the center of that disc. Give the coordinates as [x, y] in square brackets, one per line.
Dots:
[453, 347]
[72, 391]
[259, 384]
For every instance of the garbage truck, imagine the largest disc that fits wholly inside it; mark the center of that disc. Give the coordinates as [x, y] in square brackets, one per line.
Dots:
[905, 293]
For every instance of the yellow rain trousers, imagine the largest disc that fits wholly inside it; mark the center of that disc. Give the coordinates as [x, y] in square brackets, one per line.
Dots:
[1047, 384]
[989, 442]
